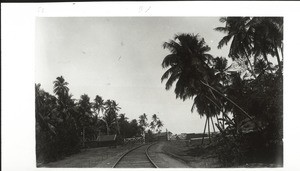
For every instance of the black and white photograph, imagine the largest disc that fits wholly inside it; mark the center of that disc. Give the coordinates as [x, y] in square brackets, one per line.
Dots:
[138, 91]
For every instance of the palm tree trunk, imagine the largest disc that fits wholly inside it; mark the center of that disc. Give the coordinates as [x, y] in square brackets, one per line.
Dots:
[118, 127]
[266, 58]
[281, 50]
[278, 60]
[232, 102]
[212, 122]
[251, 67]
[208, 128]
[223, 120]
[204, 131]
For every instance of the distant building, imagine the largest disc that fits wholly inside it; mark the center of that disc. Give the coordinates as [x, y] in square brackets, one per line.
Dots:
[193, 136]
[162, 136]
[102, 141]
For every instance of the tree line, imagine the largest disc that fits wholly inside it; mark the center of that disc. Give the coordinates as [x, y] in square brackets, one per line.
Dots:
[245, 97]
[63, 123]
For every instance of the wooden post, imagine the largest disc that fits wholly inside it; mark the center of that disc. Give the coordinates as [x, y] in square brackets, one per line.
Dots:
[208, 128]
[204, 131]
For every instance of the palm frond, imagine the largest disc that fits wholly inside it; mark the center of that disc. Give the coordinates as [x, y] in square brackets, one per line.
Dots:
[171, 80]
[222, 29]
[170, 60]
[170, 71]
[224, 41]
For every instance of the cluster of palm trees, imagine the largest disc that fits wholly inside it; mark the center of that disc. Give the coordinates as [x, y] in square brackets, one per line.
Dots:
[250, 92]
[150, 129]
[155, 125]
[63, 124]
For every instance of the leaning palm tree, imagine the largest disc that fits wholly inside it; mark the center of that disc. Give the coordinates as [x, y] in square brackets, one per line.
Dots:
[190, 65]
[206, 107]
[188, 57]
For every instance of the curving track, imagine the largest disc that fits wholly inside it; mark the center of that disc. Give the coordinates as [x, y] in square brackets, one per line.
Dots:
[137, 157]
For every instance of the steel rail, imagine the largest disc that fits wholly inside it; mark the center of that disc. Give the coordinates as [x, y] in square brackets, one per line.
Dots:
[148, 156]
[127, 152]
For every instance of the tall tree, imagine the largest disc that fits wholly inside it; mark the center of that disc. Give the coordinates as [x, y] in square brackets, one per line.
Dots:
[143, 121]
[187, 62]
[236, 29]
[159, 125]
[111, 114]
[98, 106]
[253, 36]
[191, 66]
[60, 87]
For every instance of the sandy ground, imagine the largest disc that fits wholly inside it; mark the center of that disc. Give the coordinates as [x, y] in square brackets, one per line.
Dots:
[163, 160]
[178, 149]
[164, 154]
[94, 157]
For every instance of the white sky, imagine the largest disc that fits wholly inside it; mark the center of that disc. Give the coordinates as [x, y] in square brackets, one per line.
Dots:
[120, 58]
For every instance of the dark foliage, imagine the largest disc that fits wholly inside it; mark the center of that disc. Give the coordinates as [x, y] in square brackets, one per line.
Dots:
[63, 125]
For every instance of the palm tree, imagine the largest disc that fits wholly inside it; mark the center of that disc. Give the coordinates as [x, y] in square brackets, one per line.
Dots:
[257, 36]
[143, 121]
[143, 124]
[237, 29]
[190, 65]
[153, 123]
[111, 113]
[206, 106]
[187, 62]
[60, 87]
[268, 37]
[41, 111]
[98, 106]
[154, 118]
[159, 124]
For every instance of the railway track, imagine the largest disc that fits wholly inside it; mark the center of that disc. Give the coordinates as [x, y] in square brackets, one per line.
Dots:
[137, 157]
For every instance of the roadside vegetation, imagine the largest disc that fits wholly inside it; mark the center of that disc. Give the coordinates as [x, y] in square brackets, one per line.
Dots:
[64, 124]
[245, 95]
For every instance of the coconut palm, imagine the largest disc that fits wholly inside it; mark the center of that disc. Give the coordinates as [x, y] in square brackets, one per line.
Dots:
[206, 107]
[98, 106]
[268, 37]
[111, 115]
[159, 125]
[191, 66]
[237, 30]
[257, 36]
[187, 62]
[154, 118]
[60, 87]
[143, 121]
